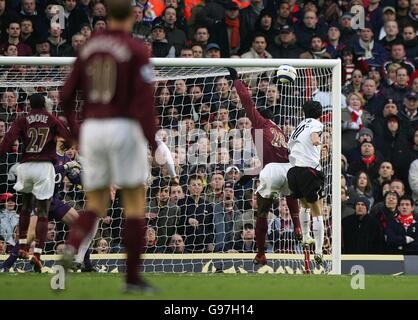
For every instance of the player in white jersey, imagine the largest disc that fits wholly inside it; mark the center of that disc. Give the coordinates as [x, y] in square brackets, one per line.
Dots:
[305, 178]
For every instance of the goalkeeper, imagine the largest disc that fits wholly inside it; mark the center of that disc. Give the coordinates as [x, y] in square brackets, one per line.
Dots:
[273, 181]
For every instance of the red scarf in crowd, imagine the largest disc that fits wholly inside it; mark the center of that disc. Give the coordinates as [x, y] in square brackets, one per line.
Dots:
[369, 160]
[234, 24]
[406, 220]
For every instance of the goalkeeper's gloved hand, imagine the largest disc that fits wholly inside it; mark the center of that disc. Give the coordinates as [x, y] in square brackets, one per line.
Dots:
[72, 165]
[233, 73]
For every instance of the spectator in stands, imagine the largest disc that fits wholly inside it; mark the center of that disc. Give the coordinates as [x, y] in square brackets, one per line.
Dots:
[2, 130]
[282, 15]
[348, 34]
[376, 74]
[99, 10]
[77, 42]
[413, 12]
[99, 24]
[317, 50]
[196, 221]
[162, 214]
[201, 37]
[366, 48]
[51, 238]
[11, 51]
[101, 247]
[362, 186]
[394, 146]
[246, 243]
[174, 35]
[389, 14]
[43, 48]
[355, 84]
[9, 107]
[9, 219]
[213, 50]
[176, 244]
[176, 194]
[27, 34]
[386, 210]
[141, 28]
[308, 28]
[398, 55]
[86, 30]
[35, 14]
[214, 192]
[334, 46]
[248, 18]
[374, 102]
[58, 44]
[353, 119]
[258, 48]
[226, 31]
[361, 233]
[285, 46]
[151, 241]
[402, 232]
[225, 216]
[386, 174]
[400, 88]
[186, 52]
[74, 19]
[197, 51]
[160, 46]
[392, 36]
[13, 32]
[409, 110]
[368, 163]
[410, 41]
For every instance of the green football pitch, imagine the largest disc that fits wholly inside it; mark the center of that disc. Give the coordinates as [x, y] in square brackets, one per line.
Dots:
[210, 287]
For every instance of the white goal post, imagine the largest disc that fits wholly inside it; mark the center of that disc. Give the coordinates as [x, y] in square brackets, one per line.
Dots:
[215, 67]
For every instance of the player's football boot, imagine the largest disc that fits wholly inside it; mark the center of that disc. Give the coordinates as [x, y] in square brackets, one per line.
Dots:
[37, 263]
[140, 287]
[319, 259]
[67, 258]
[307, 241]
[298, 234]
[260, 258]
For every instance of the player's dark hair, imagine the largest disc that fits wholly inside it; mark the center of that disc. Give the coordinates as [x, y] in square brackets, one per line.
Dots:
[37, 101]
[312, 109]
[119, 9]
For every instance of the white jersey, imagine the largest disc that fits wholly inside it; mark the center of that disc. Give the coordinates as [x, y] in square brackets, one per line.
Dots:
[302, 152]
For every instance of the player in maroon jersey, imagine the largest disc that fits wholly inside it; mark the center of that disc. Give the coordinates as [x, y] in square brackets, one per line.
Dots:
[35, 174]
[114, 74]
[275, 157]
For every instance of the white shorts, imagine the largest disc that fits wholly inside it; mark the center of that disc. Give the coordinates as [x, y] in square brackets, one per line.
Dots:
[37, 178]
[273, 180]
[114, 151]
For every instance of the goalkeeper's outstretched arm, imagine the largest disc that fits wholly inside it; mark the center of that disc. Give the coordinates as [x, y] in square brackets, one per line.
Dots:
[256, 118]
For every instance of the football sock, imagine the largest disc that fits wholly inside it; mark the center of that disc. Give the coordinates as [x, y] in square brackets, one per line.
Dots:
[134, 241]
[305, 221]
[24, 219]
[81, 228]
[85, 244]
[41, 233]
[293, 206]
[318, 231]
[260, 233]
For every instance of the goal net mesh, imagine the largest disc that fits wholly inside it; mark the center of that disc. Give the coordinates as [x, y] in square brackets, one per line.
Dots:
[203, 123]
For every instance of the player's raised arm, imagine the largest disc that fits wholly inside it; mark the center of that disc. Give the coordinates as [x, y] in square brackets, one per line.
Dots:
[163, 156]
[11, 136]
[144, 98]
[256, 118]
[69, 92]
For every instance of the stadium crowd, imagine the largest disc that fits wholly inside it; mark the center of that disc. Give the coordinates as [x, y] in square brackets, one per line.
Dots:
[212, 209]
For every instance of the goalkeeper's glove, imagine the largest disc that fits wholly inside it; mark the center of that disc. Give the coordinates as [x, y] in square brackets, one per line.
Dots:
[71, 165]
[233, 73]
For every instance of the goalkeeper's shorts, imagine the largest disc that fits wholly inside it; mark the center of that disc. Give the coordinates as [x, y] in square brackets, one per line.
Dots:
[273, 180]
[114, 151]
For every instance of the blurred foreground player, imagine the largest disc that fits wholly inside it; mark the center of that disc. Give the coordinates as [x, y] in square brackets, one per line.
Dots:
[117, 82]
[35, 174]
[273, 177]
